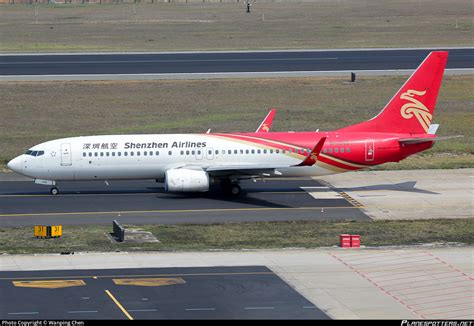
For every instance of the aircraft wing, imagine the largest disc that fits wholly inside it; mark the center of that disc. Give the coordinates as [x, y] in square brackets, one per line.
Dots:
[267, 122]
[245, 171]
[263, 169]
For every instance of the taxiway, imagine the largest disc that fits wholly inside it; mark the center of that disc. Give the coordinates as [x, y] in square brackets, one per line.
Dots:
[24, 203]
[224, 62]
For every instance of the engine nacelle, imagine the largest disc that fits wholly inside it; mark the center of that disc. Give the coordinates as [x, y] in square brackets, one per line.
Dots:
[185, 180]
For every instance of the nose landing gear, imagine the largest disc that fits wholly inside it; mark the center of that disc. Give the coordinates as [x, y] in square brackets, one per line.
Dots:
[54, 190]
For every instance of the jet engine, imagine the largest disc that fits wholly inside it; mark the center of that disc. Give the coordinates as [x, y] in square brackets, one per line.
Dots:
[186, 180]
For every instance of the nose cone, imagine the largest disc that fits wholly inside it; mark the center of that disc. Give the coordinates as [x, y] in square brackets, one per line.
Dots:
[15, 164]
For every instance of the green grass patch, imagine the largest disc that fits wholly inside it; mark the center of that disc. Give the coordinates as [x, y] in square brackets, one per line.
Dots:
[232, 236]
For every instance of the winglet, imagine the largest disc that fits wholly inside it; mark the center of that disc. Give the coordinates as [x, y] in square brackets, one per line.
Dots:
[313, 156]
[267, 122]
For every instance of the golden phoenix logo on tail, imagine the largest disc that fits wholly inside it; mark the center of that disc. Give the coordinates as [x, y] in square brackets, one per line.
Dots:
[416, 108]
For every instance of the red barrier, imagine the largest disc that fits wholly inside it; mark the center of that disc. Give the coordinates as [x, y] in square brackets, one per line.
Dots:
[355, 241]
[349, 240]
[345, 240]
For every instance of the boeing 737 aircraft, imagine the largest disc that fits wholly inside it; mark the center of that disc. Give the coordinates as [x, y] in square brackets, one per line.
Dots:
[193, 162]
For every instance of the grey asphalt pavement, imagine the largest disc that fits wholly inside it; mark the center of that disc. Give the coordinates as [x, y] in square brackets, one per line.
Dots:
[23, 203]
[243, 292]
[225, 62]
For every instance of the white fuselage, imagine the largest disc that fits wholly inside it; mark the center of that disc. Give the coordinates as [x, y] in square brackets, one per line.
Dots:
[146, 157]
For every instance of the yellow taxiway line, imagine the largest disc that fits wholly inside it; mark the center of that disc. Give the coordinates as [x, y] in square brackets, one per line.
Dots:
[205, 210]
[132, 194]
[125, 312]
[217, 210]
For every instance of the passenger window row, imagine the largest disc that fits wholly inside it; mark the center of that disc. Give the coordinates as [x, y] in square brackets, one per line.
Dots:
[197, 152]
[254, 151]
[337, 150]
[114, 154]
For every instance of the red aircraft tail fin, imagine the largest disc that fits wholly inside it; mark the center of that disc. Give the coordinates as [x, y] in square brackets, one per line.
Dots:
[412, 107]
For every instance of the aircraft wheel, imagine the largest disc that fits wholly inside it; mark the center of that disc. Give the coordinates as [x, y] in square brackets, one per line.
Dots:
[54, 191]
[230, 188]
[235, 189]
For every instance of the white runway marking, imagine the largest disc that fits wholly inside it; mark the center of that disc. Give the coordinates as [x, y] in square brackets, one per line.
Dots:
[322, 193]
[259, 308]
[82, 312]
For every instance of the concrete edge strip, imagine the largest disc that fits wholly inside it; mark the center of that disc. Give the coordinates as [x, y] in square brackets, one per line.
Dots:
[217, 75]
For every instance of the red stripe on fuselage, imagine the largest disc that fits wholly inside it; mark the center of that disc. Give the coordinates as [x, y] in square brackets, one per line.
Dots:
[252, 138]
[296, 141]
[324, 158]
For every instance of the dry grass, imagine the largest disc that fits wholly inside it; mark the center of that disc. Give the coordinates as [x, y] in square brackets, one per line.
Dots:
[307, 234]
[223, 26]
[33, 112]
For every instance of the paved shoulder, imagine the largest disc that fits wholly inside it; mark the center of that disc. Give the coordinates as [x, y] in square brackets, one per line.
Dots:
[412, 194]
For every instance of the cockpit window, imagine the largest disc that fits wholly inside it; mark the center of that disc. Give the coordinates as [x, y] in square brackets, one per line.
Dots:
[34, 153]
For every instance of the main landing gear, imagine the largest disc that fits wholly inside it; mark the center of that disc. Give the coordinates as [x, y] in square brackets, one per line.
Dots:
[54, 191]
[231, 188]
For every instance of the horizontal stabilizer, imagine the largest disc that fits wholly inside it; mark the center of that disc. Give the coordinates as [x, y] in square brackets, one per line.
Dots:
[426, 139]
[433, 129]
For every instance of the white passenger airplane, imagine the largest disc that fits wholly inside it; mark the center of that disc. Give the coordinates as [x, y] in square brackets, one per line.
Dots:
[192, 162]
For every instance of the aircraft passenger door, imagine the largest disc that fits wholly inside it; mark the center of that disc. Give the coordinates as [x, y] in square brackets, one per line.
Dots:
[210, 153]
[369, 150]
[66, 159]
